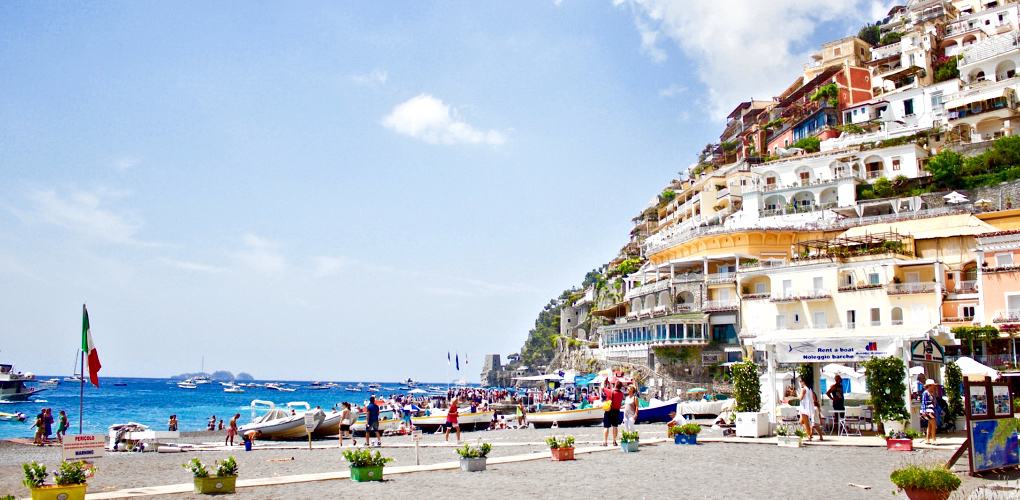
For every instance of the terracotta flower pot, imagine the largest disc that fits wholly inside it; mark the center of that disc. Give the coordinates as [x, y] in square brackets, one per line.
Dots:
[916, 494]
[562, 454]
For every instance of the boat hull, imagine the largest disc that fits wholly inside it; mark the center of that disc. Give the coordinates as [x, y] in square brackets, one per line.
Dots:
[388, 424]
[467, 421]
[21, 396]
[656, 413]
[567, 418]
[330, 426]
[292, 427]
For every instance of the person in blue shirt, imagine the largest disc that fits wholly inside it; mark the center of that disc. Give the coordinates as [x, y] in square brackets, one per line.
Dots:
[372, 423]
[929, 410]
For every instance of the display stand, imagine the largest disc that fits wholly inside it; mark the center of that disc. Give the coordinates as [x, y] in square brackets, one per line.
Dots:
[992, 439]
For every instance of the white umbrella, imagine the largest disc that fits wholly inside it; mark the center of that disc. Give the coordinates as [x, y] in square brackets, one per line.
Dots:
[916, 370]
[955, 198]
[973, 369]
[833, 369]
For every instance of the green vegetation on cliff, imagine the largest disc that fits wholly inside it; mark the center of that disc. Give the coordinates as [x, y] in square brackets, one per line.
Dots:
[539, 348]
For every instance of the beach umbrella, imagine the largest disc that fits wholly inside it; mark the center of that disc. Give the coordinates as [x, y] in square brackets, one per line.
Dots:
[983, 203]
[916, 370]
[833, 369]
[955, 198]
[973, 369]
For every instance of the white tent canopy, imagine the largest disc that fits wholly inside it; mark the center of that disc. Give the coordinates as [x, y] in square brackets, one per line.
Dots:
[955, 198]
[973, 369]
[540, 378]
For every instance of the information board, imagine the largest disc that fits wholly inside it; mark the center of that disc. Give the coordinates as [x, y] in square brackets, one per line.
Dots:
[83, 446]
[991, 428]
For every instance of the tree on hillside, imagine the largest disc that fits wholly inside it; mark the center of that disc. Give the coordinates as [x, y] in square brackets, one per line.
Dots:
[870, 33]
[945, 168]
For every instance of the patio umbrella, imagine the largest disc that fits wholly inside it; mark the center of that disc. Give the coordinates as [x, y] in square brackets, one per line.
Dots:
[973, 369]
[955, 198]
[916, 370]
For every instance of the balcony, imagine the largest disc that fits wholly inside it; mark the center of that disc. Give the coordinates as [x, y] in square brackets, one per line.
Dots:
[858, 288]
[653, 287]
[990, 47]
[969, 286]
[797, 295]
[722, 193]
[720, 305]
[685, 308]
[769, 188]
[688, 278]
[910, 288]
[719, 278]
[1007, 316]
[958, 319]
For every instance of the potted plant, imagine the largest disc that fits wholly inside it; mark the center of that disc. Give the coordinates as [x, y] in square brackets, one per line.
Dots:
[901, 440]
[750, 421]
[790, 437]
[685, 434]
[224, 481]
[472, 458]
[925, 482]
[954, 383]
[366, 466]
[629, 441]
[70, 480]
[884, 377]
[561, 449]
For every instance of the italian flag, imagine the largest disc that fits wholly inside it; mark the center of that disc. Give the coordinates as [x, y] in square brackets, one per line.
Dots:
[88, 348]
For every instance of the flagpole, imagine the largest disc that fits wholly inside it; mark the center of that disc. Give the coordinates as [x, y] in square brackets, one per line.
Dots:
[81, 383]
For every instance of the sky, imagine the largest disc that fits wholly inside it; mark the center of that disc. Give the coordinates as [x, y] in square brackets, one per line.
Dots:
[348, 190]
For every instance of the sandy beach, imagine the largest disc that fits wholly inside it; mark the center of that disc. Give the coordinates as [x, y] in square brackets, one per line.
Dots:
[710, 470]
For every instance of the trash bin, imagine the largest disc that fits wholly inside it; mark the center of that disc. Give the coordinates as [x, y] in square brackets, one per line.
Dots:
[247, 445]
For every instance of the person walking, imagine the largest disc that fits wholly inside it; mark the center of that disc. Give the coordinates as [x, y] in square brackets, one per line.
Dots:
[928, 411]
[62, 426]
[372, 423]
[614, 399]
[346, 421]
[232, 430]
[38, 441]
[451, 420]
[521, 414]
[630, 409]
[806, 408]
[47, 424]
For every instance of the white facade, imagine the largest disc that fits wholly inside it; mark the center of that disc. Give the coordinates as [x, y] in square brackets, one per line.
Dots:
[973, 28]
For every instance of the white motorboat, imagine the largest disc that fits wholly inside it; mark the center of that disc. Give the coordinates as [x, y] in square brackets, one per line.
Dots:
[201, 379]
[12, 417]
[12, 384]
[467, 421]
[277, 423]
[50, 382]
[187, 384]
[567, 418]
[279, 387]
[233, 389]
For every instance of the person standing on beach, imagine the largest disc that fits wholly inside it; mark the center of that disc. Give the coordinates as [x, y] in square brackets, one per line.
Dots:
[451, 420]
[47, 424]
[521, 414]
[232, 430]
[171, 425]
[372, 423]
[62, 426]
[806, 409]
[928, 411]
[614, 398]
[346, 420]
[630, 409]
[38, 441]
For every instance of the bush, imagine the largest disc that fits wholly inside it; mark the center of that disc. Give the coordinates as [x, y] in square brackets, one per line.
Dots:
[480, 451]
[226, 468]
[35, 474]
[689, 429]
[808, 144]
[947, 69]
[930, 478]
[627, 437]
[870, 33]
[567, 442]
[891, 37]
[882, 187]
[954, 380]
[197, 468]
[746, 387]
[885, 380]
[904, 434]
[364, 457]
[71, 473]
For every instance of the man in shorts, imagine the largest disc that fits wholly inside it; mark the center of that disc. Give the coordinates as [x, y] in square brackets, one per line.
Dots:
[451, 421]
[372, 423]
[614, 396]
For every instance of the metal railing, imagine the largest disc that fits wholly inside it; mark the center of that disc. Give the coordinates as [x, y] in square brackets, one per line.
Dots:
[904, 288]
[990, 47]
[719, 305]
[1007, 316]
[969, 286]
[647, 288]
[721, 277]
[809, 294]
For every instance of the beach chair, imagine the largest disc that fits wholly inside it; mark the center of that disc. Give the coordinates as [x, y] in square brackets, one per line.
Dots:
[852, 420]
[788, 415]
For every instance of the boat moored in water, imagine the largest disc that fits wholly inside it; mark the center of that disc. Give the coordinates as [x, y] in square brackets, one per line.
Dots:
[12, 384]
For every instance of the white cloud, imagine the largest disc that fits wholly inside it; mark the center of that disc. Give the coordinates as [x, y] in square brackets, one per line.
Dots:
[374, 78]
[261, 255]
[126, 163]
[742, 48]
[326, 266]
[672, 90]
[429, 119]
[83, 212]
[187, 265]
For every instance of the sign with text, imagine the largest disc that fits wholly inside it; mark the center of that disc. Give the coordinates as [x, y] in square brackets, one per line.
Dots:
[926, 351]
[83, 446]
[311, 422]
[991, 428]
[416, 435]
[832, 351]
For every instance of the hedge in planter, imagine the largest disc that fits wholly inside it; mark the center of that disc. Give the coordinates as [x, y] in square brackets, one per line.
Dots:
[885, 379]
[746, 387]
[366, 466]
[685, 434]
[925, 481]
[70, 480]
[561, 449]
[472, 458]
[629, 441]
[954, 383]
[225, 480]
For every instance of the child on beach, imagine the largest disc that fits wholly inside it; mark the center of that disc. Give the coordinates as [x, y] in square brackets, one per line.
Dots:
[62, 426]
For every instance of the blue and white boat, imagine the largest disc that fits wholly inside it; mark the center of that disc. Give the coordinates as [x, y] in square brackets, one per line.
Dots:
[657, 411]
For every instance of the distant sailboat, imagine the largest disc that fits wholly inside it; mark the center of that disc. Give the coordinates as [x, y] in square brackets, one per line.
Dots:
[77, 369]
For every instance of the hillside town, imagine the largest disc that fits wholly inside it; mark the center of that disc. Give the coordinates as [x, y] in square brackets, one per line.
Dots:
[870, 200]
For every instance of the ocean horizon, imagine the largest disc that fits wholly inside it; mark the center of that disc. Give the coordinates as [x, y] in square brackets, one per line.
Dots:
[151, 401]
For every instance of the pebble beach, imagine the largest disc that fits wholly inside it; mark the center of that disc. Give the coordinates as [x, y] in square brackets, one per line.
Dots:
[709, 470]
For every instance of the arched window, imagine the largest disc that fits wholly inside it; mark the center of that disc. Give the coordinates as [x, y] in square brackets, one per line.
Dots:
[897, 316]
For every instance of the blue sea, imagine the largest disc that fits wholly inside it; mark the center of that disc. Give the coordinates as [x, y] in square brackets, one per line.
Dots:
[151, 402]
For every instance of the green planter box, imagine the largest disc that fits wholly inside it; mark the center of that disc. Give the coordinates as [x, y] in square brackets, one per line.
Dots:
[215, 485]
[53, 492]
[629, 446]
[362, 474]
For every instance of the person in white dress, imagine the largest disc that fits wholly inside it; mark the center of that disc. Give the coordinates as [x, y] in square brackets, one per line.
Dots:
[630, 409]
[806, 409]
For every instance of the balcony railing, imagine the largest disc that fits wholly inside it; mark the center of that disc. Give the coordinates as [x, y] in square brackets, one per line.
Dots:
[969, 286]
[684, 308]
[719, 305]
[958, 319]
[647, 288]
[858, 288]
[795, 295]
[721, 277]
[1007, 316]
[688, 277]
[990, 47]
[907, 288]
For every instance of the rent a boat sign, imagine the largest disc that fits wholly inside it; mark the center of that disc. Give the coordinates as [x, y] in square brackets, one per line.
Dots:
[825, 351]
[83, 446]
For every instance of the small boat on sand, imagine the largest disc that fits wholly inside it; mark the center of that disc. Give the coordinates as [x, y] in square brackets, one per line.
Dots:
[657, 411]
[276, 423]
[567, 418]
